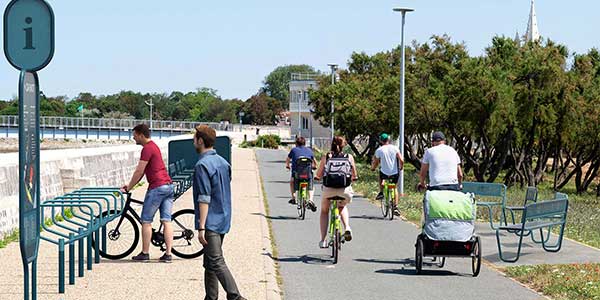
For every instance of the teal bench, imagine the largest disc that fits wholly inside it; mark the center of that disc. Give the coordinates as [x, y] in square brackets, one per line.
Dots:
[485, 189]
[538, 216]
[182, 178]
[77, 217]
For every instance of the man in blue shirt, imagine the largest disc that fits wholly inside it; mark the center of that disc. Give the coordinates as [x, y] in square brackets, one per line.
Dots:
[297, 152]
[212, 204]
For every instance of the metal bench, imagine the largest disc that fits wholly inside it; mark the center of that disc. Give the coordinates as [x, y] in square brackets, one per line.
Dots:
[485, 189]
[182, 178]
[76, 217]
[537, 216]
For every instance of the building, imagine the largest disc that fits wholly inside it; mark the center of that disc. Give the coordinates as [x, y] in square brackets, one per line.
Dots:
[301, 120]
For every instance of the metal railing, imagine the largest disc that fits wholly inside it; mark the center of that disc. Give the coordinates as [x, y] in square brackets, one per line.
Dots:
[304, 76]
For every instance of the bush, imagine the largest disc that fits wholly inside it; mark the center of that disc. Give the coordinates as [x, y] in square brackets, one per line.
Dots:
[270, 141]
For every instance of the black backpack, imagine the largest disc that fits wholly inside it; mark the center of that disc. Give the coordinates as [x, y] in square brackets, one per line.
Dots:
[338, 171]
[303, 168]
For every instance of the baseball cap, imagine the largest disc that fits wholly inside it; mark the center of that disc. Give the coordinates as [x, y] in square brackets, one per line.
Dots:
[384, 137]
[438, 136]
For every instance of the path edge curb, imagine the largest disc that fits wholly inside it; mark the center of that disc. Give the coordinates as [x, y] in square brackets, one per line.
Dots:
[273, 290]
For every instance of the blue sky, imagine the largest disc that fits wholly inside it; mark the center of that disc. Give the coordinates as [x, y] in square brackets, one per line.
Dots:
[107, 46]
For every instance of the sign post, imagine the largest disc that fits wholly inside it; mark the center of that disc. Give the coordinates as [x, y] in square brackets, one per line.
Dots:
[29, 47]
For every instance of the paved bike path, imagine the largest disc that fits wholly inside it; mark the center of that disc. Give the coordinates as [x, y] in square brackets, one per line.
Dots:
[376, 264]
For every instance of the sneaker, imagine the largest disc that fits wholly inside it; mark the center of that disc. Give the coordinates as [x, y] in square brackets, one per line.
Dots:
[379, 196]
[348, 235]
[396, 211]
[312, 206]
[141, 257]
[292, 201]
[323, 244]
[166, 258]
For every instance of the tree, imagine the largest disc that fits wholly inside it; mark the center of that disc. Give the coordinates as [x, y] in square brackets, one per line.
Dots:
[276, 84]
[261, 110]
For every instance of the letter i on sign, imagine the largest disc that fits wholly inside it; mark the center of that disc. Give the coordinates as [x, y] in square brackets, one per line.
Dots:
[28, 35]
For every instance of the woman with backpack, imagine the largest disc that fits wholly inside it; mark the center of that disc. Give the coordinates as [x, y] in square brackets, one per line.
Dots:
[338, 170]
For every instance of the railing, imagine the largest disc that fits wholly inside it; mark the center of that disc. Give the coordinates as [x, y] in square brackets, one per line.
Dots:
[70, 122]
[304, 76]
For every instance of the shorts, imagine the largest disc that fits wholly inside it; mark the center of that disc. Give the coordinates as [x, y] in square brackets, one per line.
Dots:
[391, 178]
[158, 198]
[346, 193]
[297, 182]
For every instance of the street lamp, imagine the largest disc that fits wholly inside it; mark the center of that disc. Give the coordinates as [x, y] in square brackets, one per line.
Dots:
[151, 104]
[402, 10]
[333, 68]
[299, 113]
[241, 114]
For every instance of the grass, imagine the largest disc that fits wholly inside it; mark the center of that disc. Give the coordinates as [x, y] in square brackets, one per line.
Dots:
[275, 253]
[9, 238]
[568, 282]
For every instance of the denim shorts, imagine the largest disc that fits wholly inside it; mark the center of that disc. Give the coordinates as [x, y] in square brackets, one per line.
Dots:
[158, 198]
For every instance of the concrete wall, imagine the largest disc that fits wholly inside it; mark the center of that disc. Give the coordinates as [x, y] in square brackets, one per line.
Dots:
[65, 170]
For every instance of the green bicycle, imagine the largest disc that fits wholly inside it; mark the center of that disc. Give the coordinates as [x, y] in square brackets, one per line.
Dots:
[389, 194]
[335, 227]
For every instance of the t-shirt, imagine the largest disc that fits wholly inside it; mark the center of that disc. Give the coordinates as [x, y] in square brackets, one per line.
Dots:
[155, 171]
[387, 157]
[443, 164]
[298, 152]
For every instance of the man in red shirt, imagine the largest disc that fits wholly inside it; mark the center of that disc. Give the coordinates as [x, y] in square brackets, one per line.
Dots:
[160, 192]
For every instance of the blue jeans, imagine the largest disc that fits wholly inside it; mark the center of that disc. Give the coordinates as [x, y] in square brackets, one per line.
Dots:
[158, 198]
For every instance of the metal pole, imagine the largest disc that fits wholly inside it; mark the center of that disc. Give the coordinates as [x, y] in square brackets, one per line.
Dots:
[401, 133]
[299, 113]
[333, 68]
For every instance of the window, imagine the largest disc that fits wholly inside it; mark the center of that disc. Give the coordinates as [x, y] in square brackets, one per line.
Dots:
[304, 123]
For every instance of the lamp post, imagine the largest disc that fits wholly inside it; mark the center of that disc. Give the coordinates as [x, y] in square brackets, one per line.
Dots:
[333, 68]
[241, 114]
[402, 10]
[299, 113]
[151, 104]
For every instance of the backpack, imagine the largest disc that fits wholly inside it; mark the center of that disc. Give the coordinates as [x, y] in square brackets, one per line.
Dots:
[338, 171]
[303, 168]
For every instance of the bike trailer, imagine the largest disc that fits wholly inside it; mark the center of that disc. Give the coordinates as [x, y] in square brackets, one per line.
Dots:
[449, 216]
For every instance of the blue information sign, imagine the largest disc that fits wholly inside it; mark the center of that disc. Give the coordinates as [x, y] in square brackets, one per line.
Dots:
[29, 34]
[29, 165]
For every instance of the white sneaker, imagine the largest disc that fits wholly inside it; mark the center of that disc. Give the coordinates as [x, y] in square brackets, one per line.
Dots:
[323, 244]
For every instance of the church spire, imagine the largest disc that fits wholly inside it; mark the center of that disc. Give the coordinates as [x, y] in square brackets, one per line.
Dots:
[532, 35]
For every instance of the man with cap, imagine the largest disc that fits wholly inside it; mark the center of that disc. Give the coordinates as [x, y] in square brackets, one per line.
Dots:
[391, 161]
[443, 164]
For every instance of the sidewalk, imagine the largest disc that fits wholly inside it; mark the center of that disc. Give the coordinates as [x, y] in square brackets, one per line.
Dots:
[245, 247]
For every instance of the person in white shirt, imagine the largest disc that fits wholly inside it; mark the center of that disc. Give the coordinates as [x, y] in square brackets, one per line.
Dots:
[443, 165]
[388, 156]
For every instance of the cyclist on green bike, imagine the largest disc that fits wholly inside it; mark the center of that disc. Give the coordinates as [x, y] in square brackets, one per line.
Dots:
[388, 156]
[297, 152]
[337, 145]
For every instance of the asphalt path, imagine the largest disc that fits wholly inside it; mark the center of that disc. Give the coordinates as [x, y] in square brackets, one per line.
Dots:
[377, 264]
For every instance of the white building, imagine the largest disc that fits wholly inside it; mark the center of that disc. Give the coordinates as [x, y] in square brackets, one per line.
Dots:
[301, 118]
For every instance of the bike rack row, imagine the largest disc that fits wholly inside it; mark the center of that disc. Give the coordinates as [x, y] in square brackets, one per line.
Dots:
[182, 178]
[91, 209]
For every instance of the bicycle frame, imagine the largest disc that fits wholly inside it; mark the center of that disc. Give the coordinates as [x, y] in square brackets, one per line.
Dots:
[334, 219]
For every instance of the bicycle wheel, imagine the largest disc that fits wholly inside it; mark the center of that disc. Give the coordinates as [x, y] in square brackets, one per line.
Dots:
[390, 200]
[185, 241]
[419, 255]
[336, 246]
[476, 260]
[384, 206]
[119, 243]
[302, 203]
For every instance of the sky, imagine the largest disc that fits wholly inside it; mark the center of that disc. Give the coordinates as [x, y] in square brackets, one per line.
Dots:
[107, 46]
